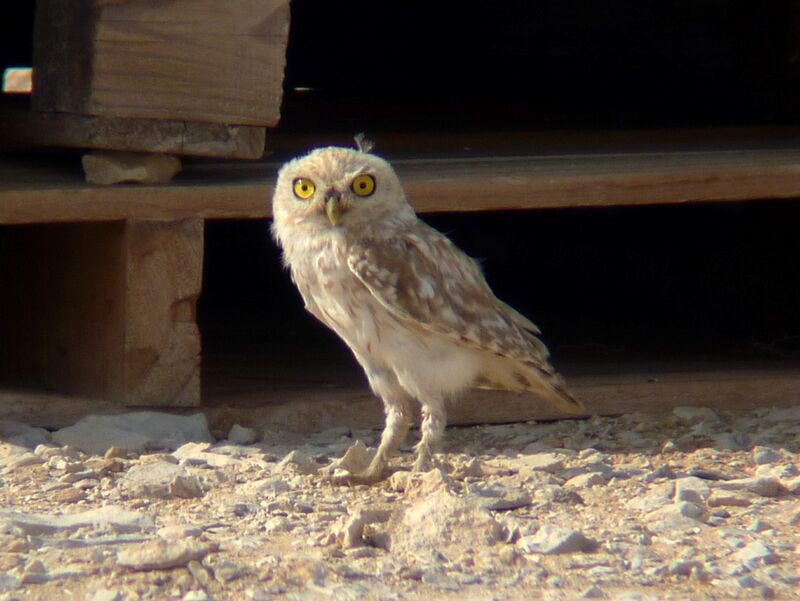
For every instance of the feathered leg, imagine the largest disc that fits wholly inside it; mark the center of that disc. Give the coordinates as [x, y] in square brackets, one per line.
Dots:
[434, 420]
[398, 407]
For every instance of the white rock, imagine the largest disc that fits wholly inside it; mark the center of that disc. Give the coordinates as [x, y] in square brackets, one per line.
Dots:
[241, 435]
[441, 522]
[765, 455]
[754, 554]
[691, 489]
[552, 540]
[765, 487]
[108, 516]
[587, 480]
[160, 479]
[23, 435]
[297, 462]
[355, 459]
[179, 531]
[26, 459]
[105, 594]
[694, 415]
[139, 431]
[159, 554]
[543, 462]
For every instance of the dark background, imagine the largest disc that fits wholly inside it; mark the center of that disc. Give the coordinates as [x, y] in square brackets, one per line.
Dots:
[667, 282]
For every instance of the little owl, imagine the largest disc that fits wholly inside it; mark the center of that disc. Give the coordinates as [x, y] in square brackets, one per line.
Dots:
[414, 309]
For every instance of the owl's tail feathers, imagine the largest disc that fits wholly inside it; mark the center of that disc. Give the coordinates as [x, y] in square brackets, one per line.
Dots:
[552, 387]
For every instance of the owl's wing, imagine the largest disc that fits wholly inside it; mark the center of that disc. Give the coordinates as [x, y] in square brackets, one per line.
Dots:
[423, 278]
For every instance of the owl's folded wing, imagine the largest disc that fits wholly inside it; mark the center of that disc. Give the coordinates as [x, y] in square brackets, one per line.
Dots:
[422, 278]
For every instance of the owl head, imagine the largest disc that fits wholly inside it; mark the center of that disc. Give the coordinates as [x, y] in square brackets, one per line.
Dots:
[338, 189]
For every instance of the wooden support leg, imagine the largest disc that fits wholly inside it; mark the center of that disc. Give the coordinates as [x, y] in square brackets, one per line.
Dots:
[103, 309]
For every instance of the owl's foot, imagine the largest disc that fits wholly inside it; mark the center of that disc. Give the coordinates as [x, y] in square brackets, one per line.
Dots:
[367, 476]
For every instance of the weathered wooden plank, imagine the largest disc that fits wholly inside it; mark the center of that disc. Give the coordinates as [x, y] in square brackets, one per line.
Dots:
[23, 130]
[104, 310]
[306, 409]
[195, 60]
[211, 191]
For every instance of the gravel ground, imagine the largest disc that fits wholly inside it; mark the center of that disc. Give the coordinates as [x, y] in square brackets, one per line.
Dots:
[688, 505]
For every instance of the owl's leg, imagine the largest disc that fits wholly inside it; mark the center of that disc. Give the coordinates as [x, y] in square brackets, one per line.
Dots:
[434, 420]
[398, 407]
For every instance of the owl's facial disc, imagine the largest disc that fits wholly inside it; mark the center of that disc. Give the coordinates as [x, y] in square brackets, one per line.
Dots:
[334, 208]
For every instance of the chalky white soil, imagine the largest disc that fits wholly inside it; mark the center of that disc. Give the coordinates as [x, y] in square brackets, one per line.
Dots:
[690, 505]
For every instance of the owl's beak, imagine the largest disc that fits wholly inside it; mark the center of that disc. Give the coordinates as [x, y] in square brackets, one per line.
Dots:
[333, 206]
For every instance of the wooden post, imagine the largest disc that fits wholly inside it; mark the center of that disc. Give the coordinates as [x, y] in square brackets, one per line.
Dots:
[103, 309]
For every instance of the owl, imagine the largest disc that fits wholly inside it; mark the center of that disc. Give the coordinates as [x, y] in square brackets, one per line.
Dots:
[415, 310]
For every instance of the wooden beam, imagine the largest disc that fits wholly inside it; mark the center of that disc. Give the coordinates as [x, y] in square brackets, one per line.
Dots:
[32, 193]
[187, 60]
[104, 310]
[305, 409]
[23, 130]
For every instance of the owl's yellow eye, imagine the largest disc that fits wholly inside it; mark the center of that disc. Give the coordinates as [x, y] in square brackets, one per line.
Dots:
[303, 188]
[363, 185]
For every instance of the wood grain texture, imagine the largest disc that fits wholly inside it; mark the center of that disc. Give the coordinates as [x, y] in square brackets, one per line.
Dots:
[196, 60]
[30, 193]
[23, 130]
[307, 409]
[104, 310]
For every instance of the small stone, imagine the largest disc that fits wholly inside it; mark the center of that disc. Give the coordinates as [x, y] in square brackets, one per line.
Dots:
[105, 594]
[297, 462]
[593, 592]
[160, 479]
[241, 435]
[67, 495]
[765, 487]
[352, 534]
[159, 554]
[542, 462]
[23, 460]
[586, 480]
[691, 489]
[727, 498]
[197, 596]
[551, 540]
[108, 167]
[138, 431]
[355, 459]
[759, 525]
[179, 531]
[765, 455]
[754, 554]
[116, 453]
[694, 415]
[686, 567]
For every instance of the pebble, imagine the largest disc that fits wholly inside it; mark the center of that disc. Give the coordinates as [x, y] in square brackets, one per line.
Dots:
[691, 489]
[544, 462]
[727, 498]
[297, 462]
[179, 531]
[160, 554]
[241, 435]
[551, 540]
[108, 516]
[137, 431]
[105, 594]
[160, 479]
[765, 487]
[755, 553]
[694, 415]
[22, 460]
[765, 455]
[587, 480]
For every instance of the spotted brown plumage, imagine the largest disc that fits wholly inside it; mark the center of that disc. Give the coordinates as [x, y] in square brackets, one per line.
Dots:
[415, 310]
